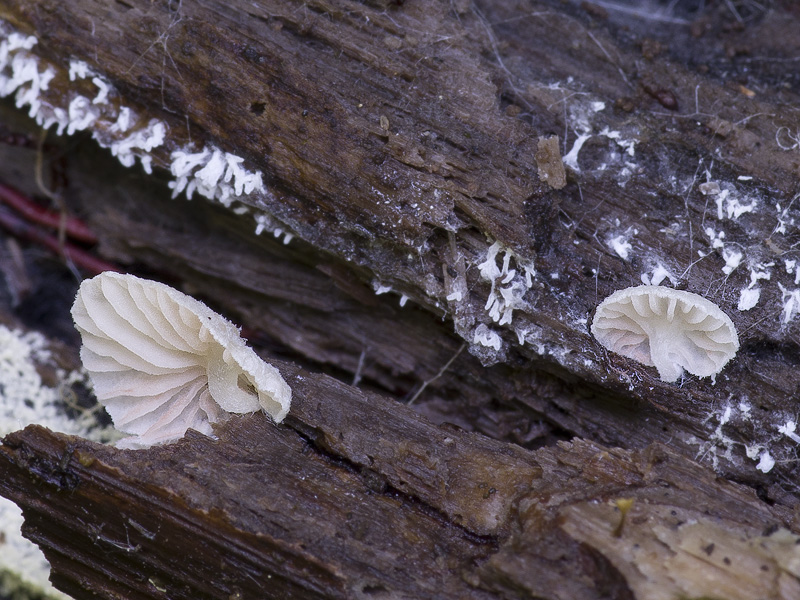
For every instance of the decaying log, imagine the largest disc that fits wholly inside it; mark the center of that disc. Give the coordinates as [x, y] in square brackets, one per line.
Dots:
[404, 148]
[359, 497]
[395, 140]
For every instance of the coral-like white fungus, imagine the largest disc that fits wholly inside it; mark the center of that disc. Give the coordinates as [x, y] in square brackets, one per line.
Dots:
[669, 329]
[508, 285]
[219, 175]
[162, 362]
[215, 174]
[486, 337]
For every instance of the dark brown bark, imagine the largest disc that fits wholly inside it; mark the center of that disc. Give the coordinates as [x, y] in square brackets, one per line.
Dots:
[357, 497]
[398, 143]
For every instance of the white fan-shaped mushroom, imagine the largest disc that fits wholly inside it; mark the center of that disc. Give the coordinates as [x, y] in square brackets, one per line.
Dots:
[162, 362]
[669, 329]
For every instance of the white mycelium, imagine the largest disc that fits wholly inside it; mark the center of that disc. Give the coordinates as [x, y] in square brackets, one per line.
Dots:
[162, 362]
[669, 329]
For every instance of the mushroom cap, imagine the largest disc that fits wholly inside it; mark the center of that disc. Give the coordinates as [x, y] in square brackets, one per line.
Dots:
[162, 362]
[669, 329]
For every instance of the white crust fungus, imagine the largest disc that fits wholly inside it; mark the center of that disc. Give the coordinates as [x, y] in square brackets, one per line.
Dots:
[668, 329]
[162, 362]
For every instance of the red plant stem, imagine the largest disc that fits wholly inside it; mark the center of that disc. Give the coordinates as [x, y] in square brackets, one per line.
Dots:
[78, 256]
[75, 228]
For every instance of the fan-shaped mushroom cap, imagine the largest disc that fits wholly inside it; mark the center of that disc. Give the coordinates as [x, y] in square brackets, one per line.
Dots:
[669, 329]
[162, 362]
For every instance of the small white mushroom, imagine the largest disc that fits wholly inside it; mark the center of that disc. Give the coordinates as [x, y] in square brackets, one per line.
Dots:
[162, 362]
[669, 329]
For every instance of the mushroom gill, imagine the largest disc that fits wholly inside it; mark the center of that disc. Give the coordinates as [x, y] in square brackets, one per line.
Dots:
[162, 362]
[669, 329]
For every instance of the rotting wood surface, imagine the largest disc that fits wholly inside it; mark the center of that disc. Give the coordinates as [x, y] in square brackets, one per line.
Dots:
[399, 143]
[357, 497]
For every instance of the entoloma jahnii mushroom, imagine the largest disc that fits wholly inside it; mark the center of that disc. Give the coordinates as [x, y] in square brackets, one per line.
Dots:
[669, 329]
[162, 362]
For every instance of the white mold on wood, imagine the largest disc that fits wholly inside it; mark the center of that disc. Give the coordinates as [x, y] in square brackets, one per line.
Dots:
[510, 279]
[485, 336]
[208, 171]
[732, 258]
[717, 237]
[657, 275]
[214, 174]
[731, 205]
[620, 245]
[765, 462]
[791, 303]
[748, 298]
[788, 429]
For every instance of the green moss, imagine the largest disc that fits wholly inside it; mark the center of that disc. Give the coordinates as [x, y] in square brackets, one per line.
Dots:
[12, 587]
